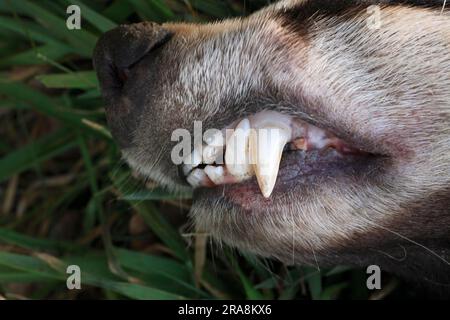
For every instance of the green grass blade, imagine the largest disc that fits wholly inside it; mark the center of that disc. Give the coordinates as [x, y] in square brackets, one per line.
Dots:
[157, 223]
[28, 30]
[136, 291]
[119, 10]
[48, 267]
[42, 103]
[332, 292]
[214, 8]
[29, 265]
[314, 280]
[32, 243]
[81, 39]
[338, 270]
[35, 152]
[153, 10]
[33, 56]
[23, 277]
[145, 268]
[145, 263]
[102, 23]
[163, 229]
[250, 291]
[73, 80]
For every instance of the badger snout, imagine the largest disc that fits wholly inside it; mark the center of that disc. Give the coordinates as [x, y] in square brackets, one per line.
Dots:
[118, 51]
[367, 174]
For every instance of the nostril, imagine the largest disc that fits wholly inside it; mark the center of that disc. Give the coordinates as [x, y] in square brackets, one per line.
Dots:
[122, 74]
[119, 49]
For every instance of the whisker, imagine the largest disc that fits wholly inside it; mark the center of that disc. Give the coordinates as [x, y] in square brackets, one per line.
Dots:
[412, 241]
[392, 257]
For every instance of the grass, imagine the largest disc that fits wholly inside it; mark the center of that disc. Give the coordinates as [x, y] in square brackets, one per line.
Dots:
[67, 198]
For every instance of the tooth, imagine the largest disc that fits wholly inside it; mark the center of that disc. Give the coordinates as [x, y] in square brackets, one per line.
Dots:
[317, 138]
[236, 153]
[210, 154]
[216, 174]
[192, 160]
[266, 147]
[197, 178]
[220, 175]
[213, 152]
[186, 169]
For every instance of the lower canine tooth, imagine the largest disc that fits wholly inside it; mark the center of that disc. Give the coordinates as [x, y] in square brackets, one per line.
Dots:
[266, 147]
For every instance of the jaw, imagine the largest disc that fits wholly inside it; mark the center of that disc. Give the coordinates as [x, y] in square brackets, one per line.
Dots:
[324, 206]
[366, 86]
[323, 198]
[315, 213]
[300, 174]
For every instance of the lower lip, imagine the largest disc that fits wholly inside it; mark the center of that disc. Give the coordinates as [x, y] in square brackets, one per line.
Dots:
[299, 173]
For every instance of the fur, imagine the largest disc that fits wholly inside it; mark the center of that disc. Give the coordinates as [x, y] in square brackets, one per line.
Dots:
[385, 90]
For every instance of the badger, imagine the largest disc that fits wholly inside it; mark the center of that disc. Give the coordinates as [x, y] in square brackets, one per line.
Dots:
[355, 96]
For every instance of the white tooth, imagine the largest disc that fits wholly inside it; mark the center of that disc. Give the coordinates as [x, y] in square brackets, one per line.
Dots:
[214, 150]
[266, 147]
[272, 119]
[317, 137]
[236, 153]
[210, 154]
[196, 157]
[216, 174]
[197, 178]
[186, 169]
[192, 160]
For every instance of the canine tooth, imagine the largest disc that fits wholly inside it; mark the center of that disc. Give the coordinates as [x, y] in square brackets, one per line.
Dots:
[266, 147]
[236, 153]
[197, 178]
[268, 118]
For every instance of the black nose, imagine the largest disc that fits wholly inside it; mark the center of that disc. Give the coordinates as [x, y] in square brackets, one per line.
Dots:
[119, 49]
[116, 52]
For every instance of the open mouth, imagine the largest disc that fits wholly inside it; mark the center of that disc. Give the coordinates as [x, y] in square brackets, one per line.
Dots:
[271, 151]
